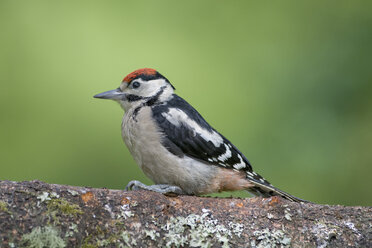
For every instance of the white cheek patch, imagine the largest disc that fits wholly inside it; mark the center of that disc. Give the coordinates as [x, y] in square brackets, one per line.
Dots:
[149, 88]
[178, 117]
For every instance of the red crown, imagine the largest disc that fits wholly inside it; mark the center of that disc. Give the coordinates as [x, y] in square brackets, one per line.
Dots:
[136, 73]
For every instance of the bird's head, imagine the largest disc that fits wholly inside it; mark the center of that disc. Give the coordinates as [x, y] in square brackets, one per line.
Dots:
[143, 86]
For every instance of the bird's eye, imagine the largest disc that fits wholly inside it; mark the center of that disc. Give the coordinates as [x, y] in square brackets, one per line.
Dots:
[135, 85]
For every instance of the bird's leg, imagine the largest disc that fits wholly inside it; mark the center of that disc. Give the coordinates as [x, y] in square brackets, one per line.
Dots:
[160, 188]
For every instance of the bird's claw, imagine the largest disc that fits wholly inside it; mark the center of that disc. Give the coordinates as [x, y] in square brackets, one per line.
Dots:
[160, 188]
[135, 185]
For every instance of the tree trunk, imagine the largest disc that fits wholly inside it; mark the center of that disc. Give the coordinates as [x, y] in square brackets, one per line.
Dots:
[37, 214]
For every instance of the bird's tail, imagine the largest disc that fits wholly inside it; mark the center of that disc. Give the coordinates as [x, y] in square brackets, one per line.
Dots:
[263, 188]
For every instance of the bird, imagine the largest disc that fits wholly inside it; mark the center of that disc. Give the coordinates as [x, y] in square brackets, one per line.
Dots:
[176, 147]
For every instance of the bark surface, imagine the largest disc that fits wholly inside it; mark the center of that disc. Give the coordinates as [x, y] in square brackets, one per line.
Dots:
[37, 214]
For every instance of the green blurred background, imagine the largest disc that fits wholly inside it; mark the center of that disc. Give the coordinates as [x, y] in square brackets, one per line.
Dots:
[288, 83]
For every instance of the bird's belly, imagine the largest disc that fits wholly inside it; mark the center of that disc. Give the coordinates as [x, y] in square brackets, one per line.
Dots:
[143, 140]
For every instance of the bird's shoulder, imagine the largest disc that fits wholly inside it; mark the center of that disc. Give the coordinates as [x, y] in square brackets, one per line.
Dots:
[185, 111]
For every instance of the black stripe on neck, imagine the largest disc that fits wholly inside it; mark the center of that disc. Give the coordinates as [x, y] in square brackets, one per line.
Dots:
[153, 99]
[133, 98]
[150, 101]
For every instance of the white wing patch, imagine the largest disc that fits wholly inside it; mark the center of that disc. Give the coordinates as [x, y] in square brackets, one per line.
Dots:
[240, 165]
[178, 117]
[226, 155]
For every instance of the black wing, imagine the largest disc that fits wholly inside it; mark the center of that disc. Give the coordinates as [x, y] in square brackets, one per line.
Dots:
[187, 133]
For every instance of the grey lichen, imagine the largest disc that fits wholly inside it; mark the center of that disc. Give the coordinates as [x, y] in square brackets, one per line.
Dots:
[199, 231]
[152, 234]
[287, 214]
[125, 212]
[44, 196]
[72, 192]
[270, 239]
[54, 195]
[126, 237]
[270, 216]
[72, 229]
[236, 228]
[352, 227]
[46, 236]
[108, 208]
[324, 233]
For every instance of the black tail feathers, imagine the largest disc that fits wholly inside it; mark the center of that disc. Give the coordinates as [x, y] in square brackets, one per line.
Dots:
[263, 188]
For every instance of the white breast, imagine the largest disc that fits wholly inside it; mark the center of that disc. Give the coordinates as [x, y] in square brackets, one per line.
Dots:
[143, 139]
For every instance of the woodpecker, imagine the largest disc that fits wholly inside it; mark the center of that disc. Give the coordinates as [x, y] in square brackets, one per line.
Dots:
[175, 147]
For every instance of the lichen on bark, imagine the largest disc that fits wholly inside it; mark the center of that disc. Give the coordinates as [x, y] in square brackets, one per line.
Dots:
[36, 214]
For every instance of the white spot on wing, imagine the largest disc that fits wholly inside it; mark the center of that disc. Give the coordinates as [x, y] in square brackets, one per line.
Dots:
[222, 164]
[226, 155]
[178, 117]
[240, 165]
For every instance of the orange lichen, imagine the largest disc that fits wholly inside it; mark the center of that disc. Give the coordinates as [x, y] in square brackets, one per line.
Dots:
[239, 204]
[87, 197]
[274, 200]
[136, 73]
[125, 201]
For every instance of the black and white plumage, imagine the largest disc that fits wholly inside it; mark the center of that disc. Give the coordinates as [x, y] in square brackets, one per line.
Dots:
[175, 146]
[188, 134]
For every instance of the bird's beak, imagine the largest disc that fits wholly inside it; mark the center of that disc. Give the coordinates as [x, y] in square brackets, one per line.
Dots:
[115, 94]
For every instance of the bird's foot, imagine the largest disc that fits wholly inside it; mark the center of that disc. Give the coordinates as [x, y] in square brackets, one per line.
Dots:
[160, 188]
